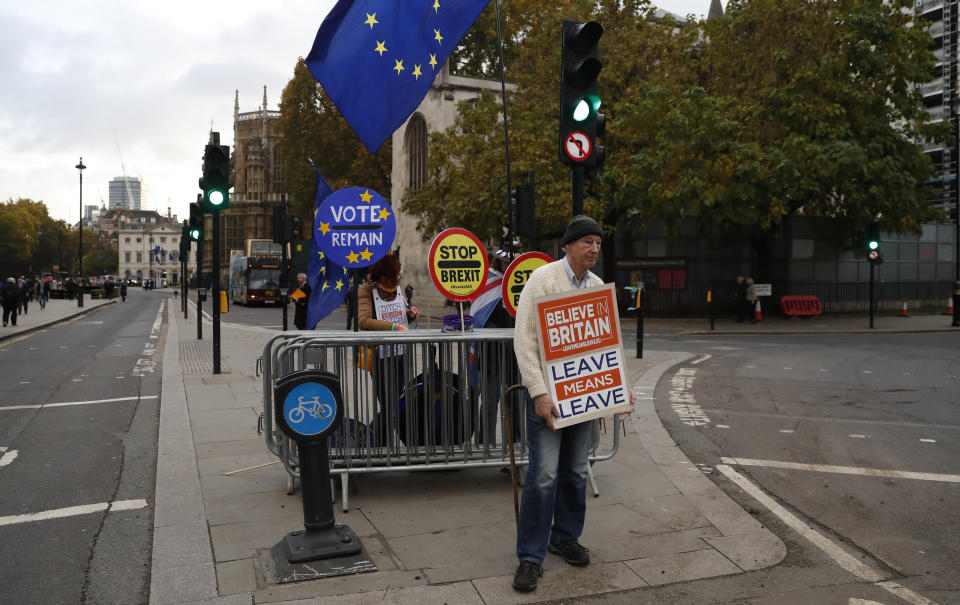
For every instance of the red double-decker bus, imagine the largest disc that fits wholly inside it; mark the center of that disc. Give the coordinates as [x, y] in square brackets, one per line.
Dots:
[255, 273]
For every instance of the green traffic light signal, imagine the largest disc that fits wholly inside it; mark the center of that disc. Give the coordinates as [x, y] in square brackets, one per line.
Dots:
[586, 107]
[194, 234]
[873, 244]
[216, 198]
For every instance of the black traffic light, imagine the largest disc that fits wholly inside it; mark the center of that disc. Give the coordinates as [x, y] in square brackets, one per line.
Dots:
[215, 182]
[291, 228]
[873, 241]
[580, 121]
[185, 240]
[525, 199]
[195, 231]
[873, 236]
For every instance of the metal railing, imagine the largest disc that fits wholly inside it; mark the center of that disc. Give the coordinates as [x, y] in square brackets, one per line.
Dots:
[414, 400]
[836, 296]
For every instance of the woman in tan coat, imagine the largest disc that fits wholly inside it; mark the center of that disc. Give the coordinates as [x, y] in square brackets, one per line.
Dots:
[381, 306]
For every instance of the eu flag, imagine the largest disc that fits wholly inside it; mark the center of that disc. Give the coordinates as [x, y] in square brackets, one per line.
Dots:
[376, 60]
[329, 282]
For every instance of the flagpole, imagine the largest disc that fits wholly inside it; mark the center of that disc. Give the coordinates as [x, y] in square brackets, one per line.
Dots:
[511, 211]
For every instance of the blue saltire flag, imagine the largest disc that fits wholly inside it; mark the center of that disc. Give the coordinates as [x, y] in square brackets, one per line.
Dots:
[376, 60]
[329, 282]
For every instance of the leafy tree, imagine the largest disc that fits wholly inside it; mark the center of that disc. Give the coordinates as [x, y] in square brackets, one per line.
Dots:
[311, 127]
[465, 163]
[799, 107]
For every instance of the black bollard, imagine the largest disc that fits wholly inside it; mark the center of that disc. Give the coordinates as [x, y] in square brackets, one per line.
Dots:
[309, 407]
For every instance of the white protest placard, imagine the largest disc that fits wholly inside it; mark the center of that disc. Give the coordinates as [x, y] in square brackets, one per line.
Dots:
[763, 289]
[582, 353]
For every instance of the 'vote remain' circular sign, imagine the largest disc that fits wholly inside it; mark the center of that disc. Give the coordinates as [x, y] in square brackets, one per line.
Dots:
[458, 264]
[517, 275]
[355, 227]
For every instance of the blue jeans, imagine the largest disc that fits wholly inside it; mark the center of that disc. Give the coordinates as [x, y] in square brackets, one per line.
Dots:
[554, 493]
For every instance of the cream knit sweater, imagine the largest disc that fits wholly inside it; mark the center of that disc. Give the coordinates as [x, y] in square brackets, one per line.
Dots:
[548, 279]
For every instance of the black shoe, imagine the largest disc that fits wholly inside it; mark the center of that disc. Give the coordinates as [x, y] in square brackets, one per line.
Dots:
[525, 579]
[572, 552]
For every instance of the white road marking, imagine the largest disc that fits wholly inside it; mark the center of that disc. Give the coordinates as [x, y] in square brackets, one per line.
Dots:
[854, 436]
[928, 440]
[905, 593]
[24, 382]
[722, 426]
[701, 360]
[842, 557]
[786, 368]
[69, 403]
[751, 367]
[6, 457]
[788, 431]
[868, 372]
[682, 400]
[844, 470]
[72, 511]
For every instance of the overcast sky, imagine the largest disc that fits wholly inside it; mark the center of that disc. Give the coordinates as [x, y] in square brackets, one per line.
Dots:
[145, 82]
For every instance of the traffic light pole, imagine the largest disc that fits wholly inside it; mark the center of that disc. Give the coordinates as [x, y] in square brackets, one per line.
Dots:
[284, 272]
[873, 300]
[576, 190]
[216, 292]
[199, 287]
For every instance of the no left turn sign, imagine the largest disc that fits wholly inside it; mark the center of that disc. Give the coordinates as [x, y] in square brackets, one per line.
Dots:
[578, 145]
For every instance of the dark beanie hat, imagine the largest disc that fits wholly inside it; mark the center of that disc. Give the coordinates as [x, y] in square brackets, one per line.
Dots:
[580, 226]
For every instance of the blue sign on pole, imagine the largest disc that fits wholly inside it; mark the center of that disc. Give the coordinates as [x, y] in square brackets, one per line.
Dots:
[355, 227]
[309, 408]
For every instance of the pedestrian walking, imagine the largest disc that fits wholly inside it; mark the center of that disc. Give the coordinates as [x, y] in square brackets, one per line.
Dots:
[10, 299]
[44, 293]
[740, 299]
[123, 291]
[24, 287]
[751, 300]
[301, 296]
[553, 506]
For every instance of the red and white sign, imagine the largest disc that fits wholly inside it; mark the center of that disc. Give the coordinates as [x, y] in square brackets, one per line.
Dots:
[582, 354]
[578, 146]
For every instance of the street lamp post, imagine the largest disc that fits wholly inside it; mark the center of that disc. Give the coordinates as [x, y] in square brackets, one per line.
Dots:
[81, 168]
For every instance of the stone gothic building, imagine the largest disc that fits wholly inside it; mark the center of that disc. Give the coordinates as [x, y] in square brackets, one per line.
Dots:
[258, 179]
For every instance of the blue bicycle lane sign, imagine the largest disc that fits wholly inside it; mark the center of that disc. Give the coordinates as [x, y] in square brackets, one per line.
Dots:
[309, 409]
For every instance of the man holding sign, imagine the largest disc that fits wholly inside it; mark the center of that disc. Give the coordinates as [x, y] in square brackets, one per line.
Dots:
[553, 506]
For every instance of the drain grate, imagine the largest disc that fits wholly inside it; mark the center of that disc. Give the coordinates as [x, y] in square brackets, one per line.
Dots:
[197, 358]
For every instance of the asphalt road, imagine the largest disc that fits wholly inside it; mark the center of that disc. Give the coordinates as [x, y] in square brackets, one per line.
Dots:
[856, 436]
[78, 426]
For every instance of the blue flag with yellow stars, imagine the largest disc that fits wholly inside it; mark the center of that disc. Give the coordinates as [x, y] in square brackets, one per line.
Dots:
[329, 282]
[376, 60]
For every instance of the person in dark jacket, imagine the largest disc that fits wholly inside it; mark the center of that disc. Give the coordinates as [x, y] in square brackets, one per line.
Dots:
[300, 311]
[123, 291]
[10, 298]
[24, 287]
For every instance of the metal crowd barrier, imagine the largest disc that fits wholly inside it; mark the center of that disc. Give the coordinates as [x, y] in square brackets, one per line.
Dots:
[414, 400]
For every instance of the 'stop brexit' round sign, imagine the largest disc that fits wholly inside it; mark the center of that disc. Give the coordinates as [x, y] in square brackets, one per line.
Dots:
[458, 264]
[516, 276]
[355, 227]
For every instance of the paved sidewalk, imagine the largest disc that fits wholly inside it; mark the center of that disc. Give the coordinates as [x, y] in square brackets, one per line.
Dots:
[439, 537]
[57, 310]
